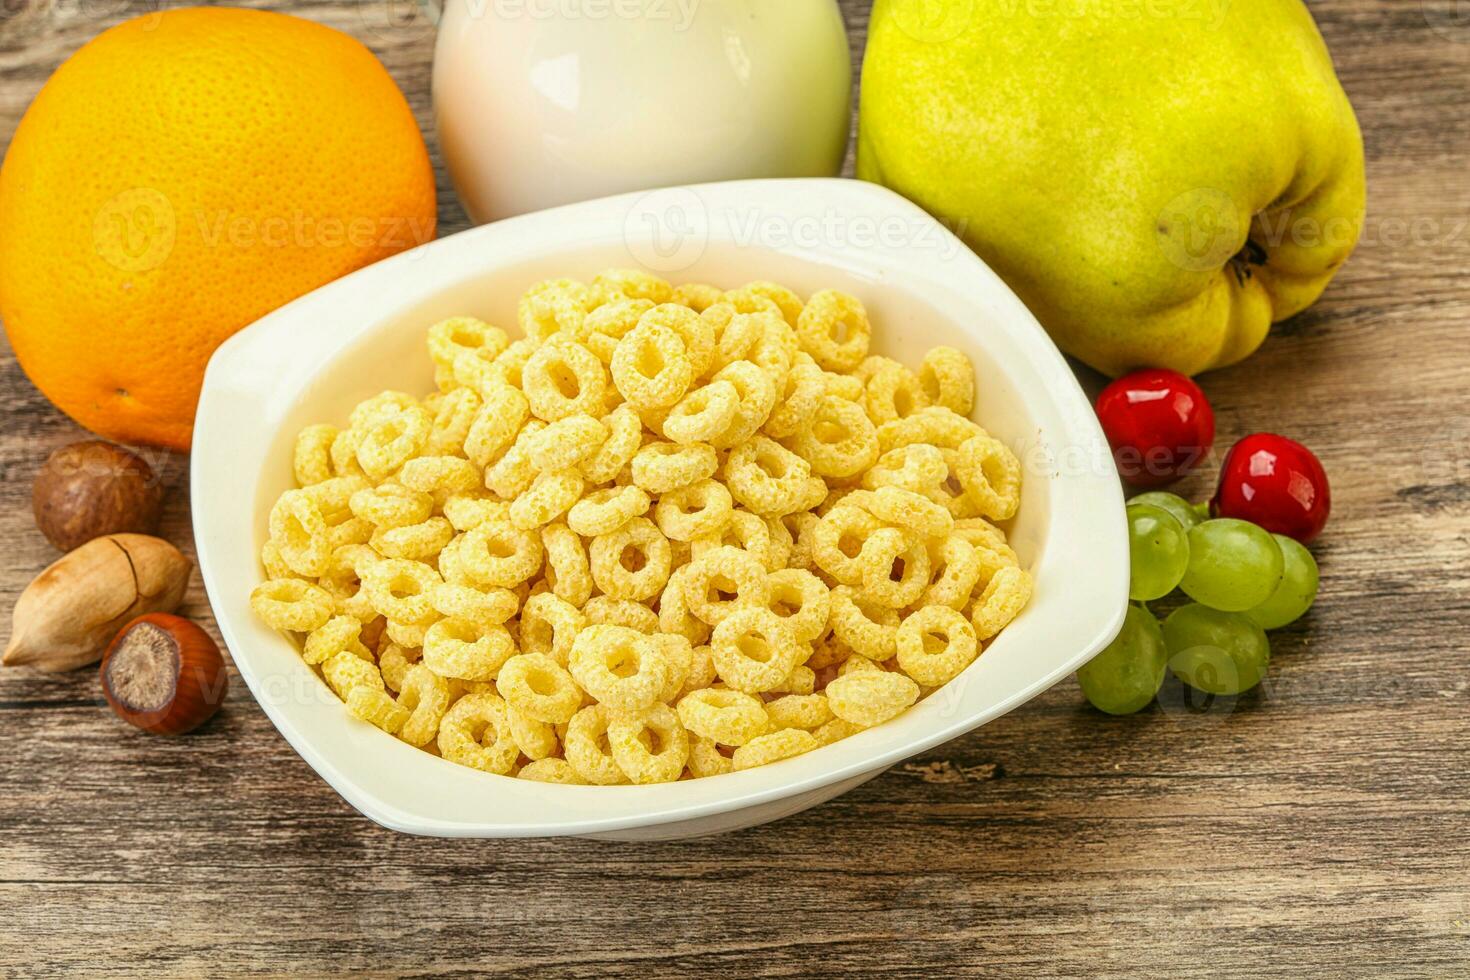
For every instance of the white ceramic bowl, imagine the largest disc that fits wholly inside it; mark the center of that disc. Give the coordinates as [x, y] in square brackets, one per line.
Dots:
[314, 358]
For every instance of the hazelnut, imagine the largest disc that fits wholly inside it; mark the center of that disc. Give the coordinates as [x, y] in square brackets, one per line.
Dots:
[163, 674]
[89, 489]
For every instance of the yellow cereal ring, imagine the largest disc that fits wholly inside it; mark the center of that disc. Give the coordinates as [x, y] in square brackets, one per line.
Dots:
[934, 644]
[416, 542]
[618, 666]
[535, 739]
[501, 415]
[604, 511]
[754, 649]
[802, 526]
[299, 532]
[893, 392]
[948, 378]
[773, 747]
[697, 334]
[454, 416]
[311, 460]
[514, 472]
[345, 671]
[539, 687]
[650, 746]
[720, 572]
[724, 716]
[916, 467]
[337, 635]
[991, 475]
[275, 566]
[837, 439]
[706, 759]
[564, 379]
[698, 296]
[936, 426]
[450, 338]
[680, 654]
[910, 511]
[781, 542]
[425, 696]
[837, 542]
[808, 711]
[392, 440]
[834, 731]
[610, 323]
[408, 634]
[566, 442]
[802, 600]
[376, 708]
[395, 662]
[624, 436]
[663, 466]
[291, 604]
[803, 388]
[698, 510]
[383, 405]
[483, 607]
[391, 505]
[551, 770]
[603, 610]
[567, 571]
[498, 554]
[801, 680]
[834, 330]
[703, 413]
[344, 453]
[786, 301]
[1003, 599]
[895, 568]
[551, 495]
[748, 533]
[738, 333]
[767, 477]
[467, 511]
[870, 630]
[844, 386]
[549, 624]
[650, 366]
[460, 649]
[757, 392]
[587, 747]
[613, 284]
[475, 732]
[870, 697]
[553, 306]
[439, 474]
[632, 562]
[674, 617]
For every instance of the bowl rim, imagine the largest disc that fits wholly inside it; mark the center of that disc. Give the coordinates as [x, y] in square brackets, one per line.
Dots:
[247, 366]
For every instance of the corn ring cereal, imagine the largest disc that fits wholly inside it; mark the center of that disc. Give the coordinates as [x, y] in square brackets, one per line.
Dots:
[803, 388]
[808, 711]
[746, 532]
[618, 666]
[632, 562]
[895, 568]
[550, 496]
[389, 505]
[757, 392]
[837, 439]
[721, 573]
[910, 511]
[340, 634]
[991, 475]
[566, 442]
[392, 440]
[439, 474]
[918, 468]
[299, 532]
[705, 759]
[698, 296]
[786, 301]
[311, 460]
[893, 392]
[395, 662]
[414, 541]
[754, 649]
[564, 379]
[834, 330]
[674, 617]
[551, 770]
[454, 416]
[955, 568]
[934, 644]
[483, 607]
[425, 696]
[462, 650]
[605, 611]
[539, 687]
[936, 426]
[613, 284]
[703, 413]
[553, 306]
[834, 731]
[697, 333]
[624, 436]
[698, 510]
[501, 414]
[802, 600]
[604, 511]
[948, 378]
[291, 604]
[725, 716]
[498, 554]
[837, 542]
[1003, 599]
[869, 629]
[773, 747]
[588, 750]
[567, 571]
[650, 366]
[475, 732]
[870, 697]
[514, 472]
[549, 625]
[650, 746]
[663, 466]
[610, 323]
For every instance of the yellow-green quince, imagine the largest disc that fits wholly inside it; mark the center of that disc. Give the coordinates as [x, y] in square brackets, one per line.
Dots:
[1159, 180]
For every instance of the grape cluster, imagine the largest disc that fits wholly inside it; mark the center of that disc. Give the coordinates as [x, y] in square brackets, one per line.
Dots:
[1243, 581]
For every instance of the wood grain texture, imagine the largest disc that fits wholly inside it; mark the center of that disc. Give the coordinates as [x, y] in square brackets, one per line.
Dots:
[1319, 828]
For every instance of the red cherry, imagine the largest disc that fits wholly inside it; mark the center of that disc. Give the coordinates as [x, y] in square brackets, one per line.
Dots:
[1159, 424]
[1275, 482]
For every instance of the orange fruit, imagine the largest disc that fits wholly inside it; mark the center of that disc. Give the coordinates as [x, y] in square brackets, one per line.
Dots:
[180, 176]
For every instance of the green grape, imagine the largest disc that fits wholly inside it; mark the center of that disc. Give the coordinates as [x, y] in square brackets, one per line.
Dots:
[1184, 512]
[1216, 652]
[1158, 552]
[1233, 565]
[1298, 588]
[1125, 677]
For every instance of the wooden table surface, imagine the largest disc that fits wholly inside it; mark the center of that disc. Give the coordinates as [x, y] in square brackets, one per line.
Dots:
[1319, 827]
